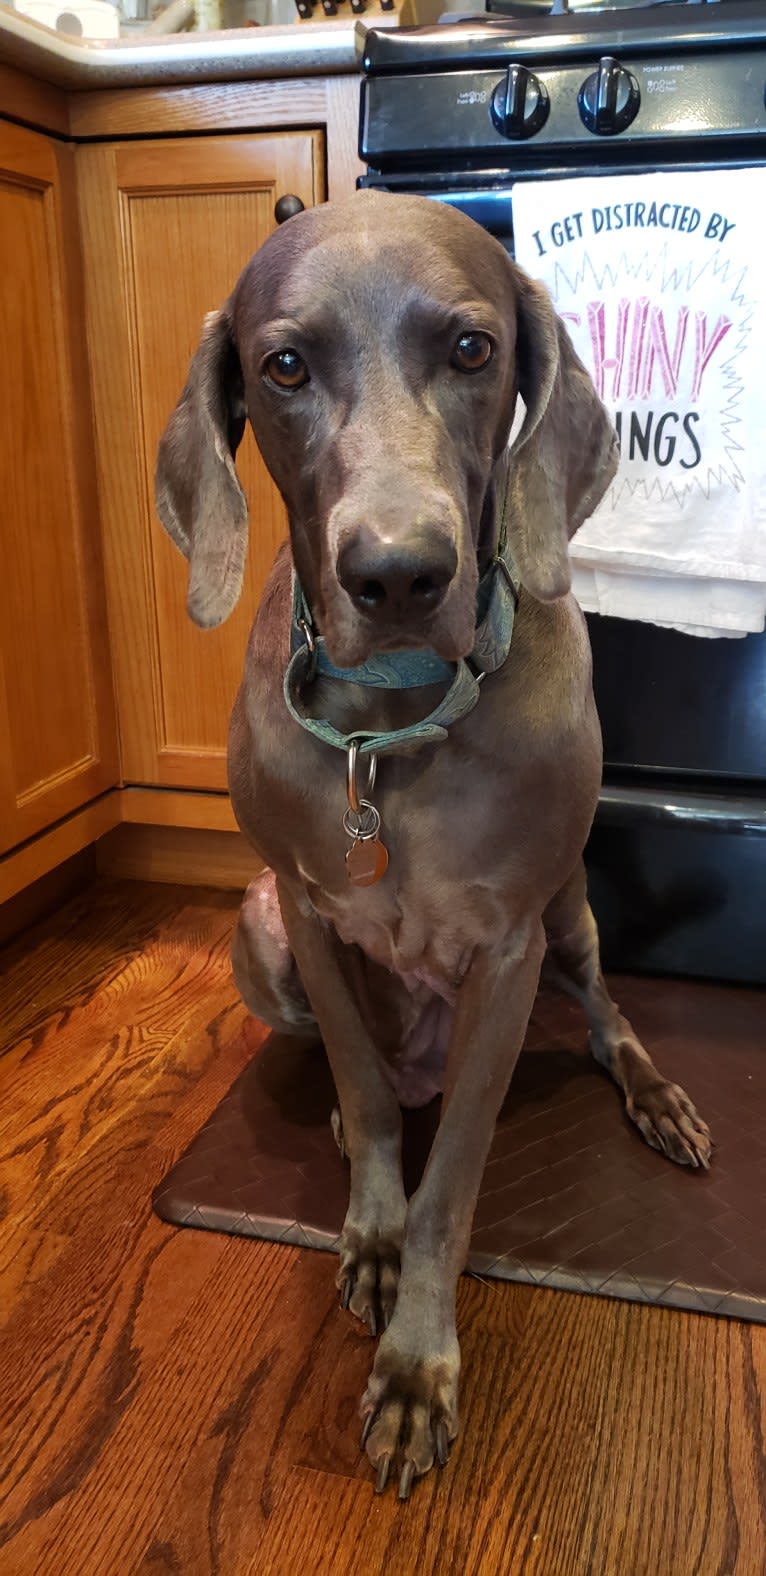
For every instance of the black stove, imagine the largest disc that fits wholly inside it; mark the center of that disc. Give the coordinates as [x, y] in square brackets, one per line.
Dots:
[464, 111]
[493, 97]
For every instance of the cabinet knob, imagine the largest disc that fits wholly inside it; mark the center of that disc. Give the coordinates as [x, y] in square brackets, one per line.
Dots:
[286, 206]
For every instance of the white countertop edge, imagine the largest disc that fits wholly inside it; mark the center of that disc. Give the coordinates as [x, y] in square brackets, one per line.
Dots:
[298, 50]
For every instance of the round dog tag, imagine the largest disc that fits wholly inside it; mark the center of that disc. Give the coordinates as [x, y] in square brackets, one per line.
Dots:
[366, 861]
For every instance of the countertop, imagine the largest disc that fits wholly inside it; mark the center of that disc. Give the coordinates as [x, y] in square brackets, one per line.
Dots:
[298, 50]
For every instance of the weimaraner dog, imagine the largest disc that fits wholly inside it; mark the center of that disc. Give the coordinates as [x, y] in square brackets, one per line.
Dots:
[420, 618]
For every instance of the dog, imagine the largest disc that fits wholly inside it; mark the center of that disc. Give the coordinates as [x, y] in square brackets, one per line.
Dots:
[419, 621]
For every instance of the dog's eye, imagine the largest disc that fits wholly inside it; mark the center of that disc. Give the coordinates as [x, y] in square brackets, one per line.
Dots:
[472, 352]
[287, 369]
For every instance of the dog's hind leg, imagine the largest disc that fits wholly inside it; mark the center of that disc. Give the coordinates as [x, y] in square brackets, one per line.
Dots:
[264, 968]
[661, 1110]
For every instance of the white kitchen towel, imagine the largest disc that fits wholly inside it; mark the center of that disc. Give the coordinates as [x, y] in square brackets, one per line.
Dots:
[732, 608]
[660, 281]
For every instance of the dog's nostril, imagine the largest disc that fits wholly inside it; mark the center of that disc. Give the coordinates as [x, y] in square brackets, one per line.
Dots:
[371, 593]
[424, 588]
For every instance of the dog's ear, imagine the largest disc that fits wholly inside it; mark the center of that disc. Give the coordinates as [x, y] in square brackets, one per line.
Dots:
[566, 452]
[199, 499]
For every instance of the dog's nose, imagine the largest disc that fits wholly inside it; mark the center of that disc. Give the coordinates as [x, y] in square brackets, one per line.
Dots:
[403, 582]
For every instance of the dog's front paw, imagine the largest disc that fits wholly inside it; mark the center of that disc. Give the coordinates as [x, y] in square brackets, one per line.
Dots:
[410, 1410]
[670, 1122]
[368, 1277]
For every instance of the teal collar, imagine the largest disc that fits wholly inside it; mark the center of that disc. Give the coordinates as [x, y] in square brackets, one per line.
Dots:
[497, 601]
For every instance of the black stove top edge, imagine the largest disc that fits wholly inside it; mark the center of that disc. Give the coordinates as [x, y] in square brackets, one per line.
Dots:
[439, 176]
[495, 40]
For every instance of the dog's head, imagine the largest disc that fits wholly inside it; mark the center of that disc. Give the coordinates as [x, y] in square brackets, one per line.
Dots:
[378, 348]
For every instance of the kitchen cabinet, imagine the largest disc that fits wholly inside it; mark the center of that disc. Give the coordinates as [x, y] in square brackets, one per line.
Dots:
[167, 225]
[58, 745]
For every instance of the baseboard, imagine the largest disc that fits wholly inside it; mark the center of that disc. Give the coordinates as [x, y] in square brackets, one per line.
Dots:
[145, 834]
[189, 855]
[23, 866]
[47, 893]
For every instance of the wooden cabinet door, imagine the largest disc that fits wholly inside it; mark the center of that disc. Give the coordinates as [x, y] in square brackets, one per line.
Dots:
[167, 228]
[57, 730]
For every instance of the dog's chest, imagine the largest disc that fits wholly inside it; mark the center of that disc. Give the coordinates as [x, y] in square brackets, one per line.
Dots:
[428, 943]
[443, 896]
[422, 927]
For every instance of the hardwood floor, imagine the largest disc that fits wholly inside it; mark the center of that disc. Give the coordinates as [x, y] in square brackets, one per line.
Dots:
[179, 1402]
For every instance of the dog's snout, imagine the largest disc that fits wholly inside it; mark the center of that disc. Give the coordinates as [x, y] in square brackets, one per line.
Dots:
[401, 581]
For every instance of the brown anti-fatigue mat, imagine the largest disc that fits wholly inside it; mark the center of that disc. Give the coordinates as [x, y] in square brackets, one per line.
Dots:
[572, 1197]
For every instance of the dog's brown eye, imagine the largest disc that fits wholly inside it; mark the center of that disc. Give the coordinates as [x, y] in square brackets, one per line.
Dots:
[472, 352]
[287, 369]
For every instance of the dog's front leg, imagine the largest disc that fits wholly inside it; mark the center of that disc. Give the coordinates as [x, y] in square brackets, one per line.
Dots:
[410, 1406]
[370, 1246]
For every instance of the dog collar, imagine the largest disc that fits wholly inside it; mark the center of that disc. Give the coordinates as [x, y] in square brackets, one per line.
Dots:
[496, 604]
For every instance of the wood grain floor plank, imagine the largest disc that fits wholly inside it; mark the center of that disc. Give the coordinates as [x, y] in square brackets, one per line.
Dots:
[97, 1242]
[74, 950]
[72, 1350]
[73, 1070]
[688, 1436]
[182, 1419]
[57, 1087]
[151, 1030]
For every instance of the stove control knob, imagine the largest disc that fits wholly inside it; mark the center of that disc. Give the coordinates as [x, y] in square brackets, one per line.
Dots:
[519, 105]
[608, 100]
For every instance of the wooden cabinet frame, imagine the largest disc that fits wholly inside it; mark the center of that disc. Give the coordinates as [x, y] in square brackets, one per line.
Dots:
[59, 749]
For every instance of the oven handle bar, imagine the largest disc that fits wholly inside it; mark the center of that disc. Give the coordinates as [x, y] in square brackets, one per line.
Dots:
[667, 807]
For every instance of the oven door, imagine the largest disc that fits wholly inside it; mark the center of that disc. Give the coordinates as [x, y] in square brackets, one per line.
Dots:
[677, 857]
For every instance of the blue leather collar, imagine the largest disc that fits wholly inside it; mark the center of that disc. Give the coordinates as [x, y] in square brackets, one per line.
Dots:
[497, 601]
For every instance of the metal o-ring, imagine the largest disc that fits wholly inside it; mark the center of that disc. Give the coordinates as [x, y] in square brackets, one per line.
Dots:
[362, 823]
[355, 798]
